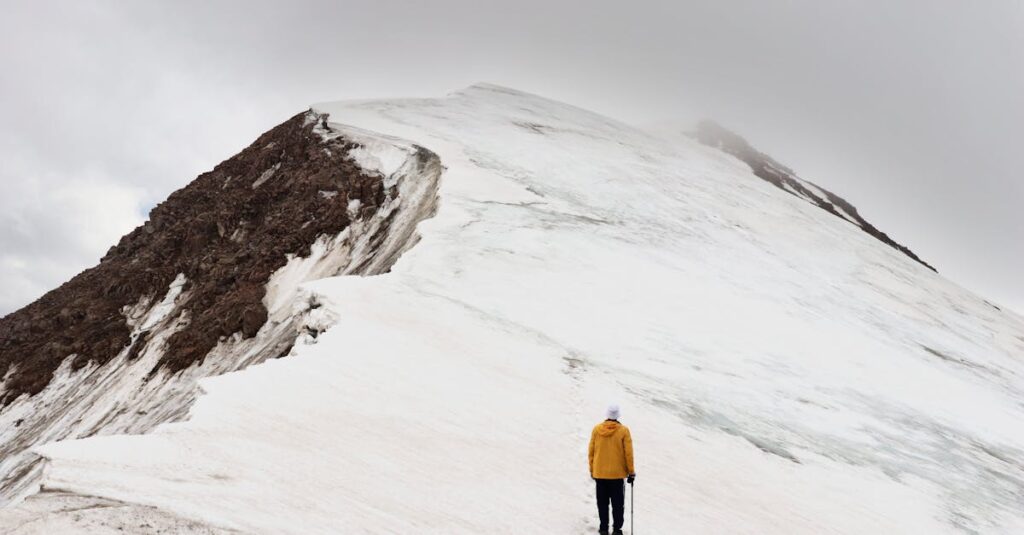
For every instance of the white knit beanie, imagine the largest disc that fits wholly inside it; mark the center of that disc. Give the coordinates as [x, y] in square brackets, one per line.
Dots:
[613, 412]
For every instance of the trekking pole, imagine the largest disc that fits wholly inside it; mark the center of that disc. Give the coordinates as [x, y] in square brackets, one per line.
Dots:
[630, 509]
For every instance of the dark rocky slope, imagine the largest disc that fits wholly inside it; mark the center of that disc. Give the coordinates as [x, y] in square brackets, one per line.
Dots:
[227, 232]
[121, 347]
[782, 177]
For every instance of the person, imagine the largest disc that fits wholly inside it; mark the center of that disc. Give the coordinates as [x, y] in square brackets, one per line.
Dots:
[611, 461]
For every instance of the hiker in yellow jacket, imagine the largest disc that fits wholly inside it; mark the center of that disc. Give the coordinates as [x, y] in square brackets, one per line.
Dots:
[611, 461]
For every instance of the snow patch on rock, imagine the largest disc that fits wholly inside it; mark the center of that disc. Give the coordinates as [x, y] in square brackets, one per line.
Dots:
[267, 175]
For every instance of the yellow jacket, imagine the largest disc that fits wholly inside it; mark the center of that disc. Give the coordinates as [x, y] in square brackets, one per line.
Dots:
[611, 451]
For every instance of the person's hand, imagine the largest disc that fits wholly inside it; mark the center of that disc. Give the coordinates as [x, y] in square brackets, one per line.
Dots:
[630, 478]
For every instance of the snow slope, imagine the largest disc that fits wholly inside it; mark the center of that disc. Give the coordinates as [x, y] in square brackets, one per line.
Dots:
[132, 394]
[781, 371]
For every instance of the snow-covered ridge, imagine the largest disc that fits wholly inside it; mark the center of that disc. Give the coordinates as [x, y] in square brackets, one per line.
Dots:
[766, 168]
[132, 393]
[782, 371]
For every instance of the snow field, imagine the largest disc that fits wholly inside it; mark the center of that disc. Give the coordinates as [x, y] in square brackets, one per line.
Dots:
[781, 371]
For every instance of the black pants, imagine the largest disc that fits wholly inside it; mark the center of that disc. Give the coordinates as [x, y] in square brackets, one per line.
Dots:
[612, 490]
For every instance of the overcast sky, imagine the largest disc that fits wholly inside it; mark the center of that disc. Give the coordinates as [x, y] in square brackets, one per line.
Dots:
[912, 110]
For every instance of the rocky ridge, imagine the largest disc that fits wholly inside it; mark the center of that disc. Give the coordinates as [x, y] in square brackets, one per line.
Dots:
[209, 284]
[768, 169]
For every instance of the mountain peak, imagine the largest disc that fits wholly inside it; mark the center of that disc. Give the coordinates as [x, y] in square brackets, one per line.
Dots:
[486, 274]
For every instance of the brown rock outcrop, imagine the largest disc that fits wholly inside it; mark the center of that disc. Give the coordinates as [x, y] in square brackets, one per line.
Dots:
[227, 232]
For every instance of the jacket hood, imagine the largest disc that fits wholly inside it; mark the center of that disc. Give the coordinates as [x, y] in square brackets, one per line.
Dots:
[608, 428]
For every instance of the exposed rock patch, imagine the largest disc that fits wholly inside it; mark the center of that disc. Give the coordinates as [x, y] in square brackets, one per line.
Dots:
[226, 232]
